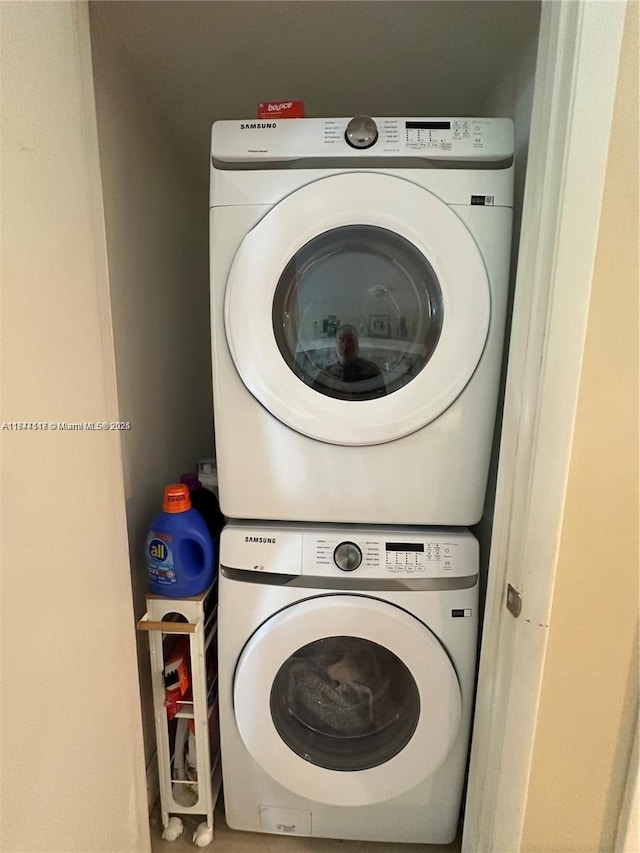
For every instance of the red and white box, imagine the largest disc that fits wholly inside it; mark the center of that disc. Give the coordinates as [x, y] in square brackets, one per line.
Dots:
[281, 109]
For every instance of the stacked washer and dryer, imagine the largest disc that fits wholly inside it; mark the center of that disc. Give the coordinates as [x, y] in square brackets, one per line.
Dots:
[359, 273]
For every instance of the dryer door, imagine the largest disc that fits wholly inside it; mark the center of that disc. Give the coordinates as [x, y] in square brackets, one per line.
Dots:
[346, 699]
[357, 309]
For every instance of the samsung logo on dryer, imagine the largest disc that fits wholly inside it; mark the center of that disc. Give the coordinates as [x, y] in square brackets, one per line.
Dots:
[258, 125]
[269, 540]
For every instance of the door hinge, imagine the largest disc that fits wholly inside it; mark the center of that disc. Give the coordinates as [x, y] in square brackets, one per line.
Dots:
[514, 601]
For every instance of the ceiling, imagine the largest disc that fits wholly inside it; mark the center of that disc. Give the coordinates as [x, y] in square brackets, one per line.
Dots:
[214, 59]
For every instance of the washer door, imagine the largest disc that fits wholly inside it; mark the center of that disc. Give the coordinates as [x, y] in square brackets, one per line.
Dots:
[357, 309]
[346, 700]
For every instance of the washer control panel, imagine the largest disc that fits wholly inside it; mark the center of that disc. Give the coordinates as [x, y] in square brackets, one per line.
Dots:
[335, 551]
[374, 557]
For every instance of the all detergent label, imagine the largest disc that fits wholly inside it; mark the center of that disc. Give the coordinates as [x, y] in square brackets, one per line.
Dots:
[160, 561]
[179, 551]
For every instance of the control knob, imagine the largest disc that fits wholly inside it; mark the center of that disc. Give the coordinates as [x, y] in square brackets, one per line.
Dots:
[347, 556]
[361, 132]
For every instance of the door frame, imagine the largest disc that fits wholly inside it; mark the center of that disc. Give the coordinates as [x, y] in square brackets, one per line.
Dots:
[575, 81]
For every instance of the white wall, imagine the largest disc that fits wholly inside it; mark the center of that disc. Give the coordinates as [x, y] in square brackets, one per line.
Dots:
[209, 61]
[72, 754]
[157, 246]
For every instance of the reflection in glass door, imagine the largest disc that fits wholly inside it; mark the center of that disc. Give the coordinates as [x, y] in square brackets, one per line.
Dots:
[357, 312]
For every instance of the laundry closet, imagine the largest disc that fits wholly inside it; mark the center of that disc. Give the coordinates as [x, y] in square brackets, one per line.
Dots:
[162, 73]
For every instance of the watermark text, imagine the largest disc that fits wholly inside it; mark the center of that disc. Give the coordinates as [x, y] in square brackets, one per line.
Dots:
[66, 426]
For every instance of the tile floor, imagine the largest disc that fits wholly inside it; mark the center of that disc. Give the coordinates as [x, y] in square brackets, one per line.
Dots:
[227, 840]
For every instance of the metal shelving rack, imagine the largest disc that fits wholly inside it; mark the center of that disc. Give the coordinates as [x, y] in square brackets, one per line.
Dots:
[196, 618]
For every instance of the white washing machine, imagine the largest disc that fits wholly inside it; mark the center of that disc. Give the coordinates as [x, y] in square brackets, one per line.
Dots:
[359, 275]
[346, 677]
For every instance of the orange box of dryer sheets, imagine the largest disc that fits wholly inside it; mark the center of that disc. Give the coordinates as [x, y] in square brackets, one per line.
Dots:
[281, 109]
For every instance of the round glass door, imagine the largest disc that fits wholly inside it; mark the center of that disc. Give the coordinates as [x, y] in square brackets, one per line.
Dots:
[345, 703]
[357, 312]
[357, 308]
[346, 699]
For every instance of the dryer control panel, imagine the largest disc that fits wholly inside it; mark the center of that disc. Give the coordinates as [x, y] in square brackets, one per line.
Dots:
[363, 137]
[335, 551]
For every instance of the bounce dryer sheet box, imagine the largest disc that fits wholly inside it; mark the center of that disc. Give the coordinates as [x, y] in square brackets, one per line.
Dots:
[281, 109]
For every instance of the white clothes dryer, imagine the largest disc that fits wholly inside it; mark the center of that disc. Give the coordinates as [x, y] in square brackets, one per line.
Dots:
[359, 275]
[346, 676]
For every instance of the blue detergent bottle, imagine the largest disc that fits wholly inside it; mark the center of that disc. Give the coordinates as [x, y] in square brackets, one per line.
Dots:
[179, 551]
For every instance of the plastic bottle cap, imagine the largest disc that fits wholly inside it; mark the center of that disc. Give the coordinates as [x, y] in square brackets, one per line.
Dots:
[191, 480]
[176, 498]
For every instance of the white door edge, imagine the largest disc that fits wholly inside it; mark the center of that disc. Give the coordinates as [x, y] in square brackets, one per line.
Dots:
[576, 75]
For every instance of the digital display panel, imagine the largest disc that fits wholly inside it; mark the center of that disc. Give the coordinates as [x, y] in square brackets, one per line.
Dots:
[428, 125]
[404, 546]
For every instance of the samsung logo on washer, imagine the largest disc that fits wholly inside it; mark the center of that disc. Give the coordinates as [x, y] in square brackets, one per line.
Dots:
[269, 540]
[258, 125]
